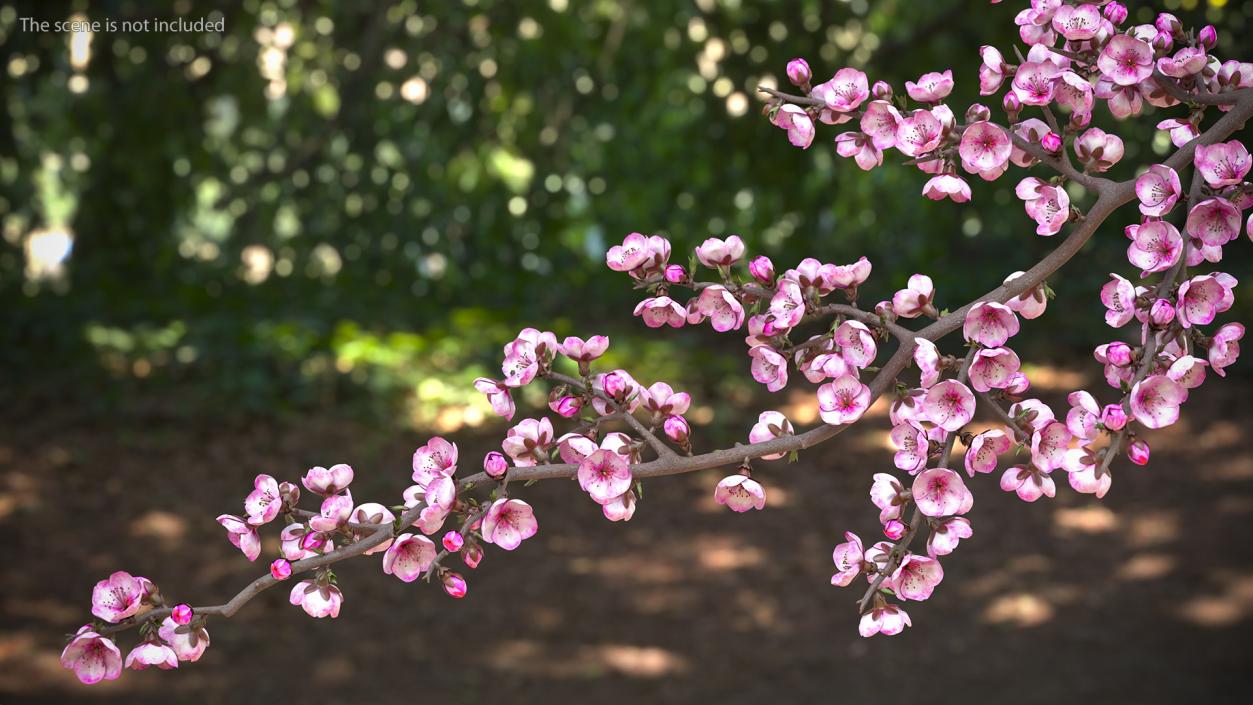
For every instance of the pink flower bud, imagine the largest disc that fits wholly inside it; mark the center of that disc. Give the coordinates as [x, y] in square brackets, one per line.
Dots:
[495, 465]
[453, 541]
[977, 112]
[676, 428]
[472, 555]
[1167, 23]
[1208, 37]
[675, 273]
[762, 269]
[1012, 105]
[1116, 13]
[1118, 354]
[881, 90]
[615, 384]
[1114, 417]
[1162, 43]
[568, 407]
[798, 72]
[1051, 142]
[894, 529]
[454, 585]
[1018, 383]
[1138, 452]
[181, 614]
[1161, 313]
[289, 492]
[280, 569]
[1080, 121]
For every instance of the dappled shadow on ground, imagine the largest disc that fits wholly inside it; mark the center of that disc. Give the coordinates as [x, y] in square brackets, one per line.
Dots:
[1144, 597]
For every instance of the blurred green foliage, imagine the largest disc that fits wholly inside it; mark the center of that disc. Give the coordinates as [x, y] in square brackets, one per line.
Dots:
[332, 197]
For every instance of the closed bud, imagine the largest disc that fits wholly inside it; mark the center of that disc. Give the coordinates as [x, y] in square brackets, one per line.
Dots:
[881, 90]
[290, 493]
[798, 72]
[1116, 13]
[1167, 23]
[1118, 354]
[1138, 452]
[280, 569]
[1079, 121]
[1051, 142]
[453, 541]
[894, 529]
[615, 384]
[472, 555]
[1012, 106]
[567, 406]
[1161, 312]
[181, 614]
[977, 112]
[675, 273]
[1114, 417]
[762, 269]
[676, 428]
[1208, 37]
[454, 585]
[495, 465]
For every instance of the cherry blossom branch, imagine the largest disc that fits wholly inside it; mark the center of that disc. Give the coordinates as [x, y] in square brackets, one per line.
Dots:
[653, 441]
[1000, 411]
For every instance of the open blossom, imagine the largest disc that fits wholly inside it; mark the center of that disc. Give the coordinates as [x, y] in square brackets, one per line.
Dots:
[317, 600]
[991, 70]
[1034, 82]
[918, 133]
[1084, 415]
[740, 493]
[848, 560]
[263, 503]
[931, 87]
[770, 425]
[949, 405]
[1126, 60]
[1098, 150]
[714, 252]
[885, 619]
[1214, 221]
[769, 367]
[915, 300]
[1155, 401]
[985, 148]
[887, 493]
[787, 306]
[947, 534]
[604, 475]
[498, 397]
[1203, 297]
[150, 653]
[1186, 62]
[719, 306]
[320, 480]
[1118, 296]
[1188, 371]
[1224, 347]
[843, 400]
[916, 577]
[527, 442]
[797, 122]
[1077, 22]
[509, 522]
[188, 642]
[949, 186]
[1156, 247]
[1075, 92]
[242, 535]
[621, 508]
[845, 92]
[658, 311]
[990, 324]
[1049, 444]
[856, 342]
[993, 368]
[911, 447]
[1158, 190]
[1029, 304]
[438, 458]
[940, 492]
[1181, 131]
[92, 658]
[1028, 482]
[660, 398]
[117, 597]
[1080, 465]
[1048, 205]
[581, 350]
[880, 121]
[1223, 164]
[639, 254]
[861, 148]
[984, 449]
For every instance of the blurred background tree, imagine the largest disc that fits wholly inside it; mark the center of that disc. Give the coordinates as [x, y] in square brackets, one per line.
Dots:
[333, 202]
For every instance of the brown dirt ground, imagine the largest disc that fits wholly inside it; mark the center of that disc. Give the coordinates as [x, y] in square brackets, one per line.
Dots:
[1146, 597]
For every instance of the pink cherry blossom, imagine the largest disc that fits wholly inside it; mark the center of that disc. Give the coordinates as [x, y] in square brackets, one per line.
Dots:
[604, 475]
[1084, 415]
[438, 458]
[263, 503]
[915, 300]
[1077, 22]
[762, 269]
[715, 252]
[320, 480]
[887, 493]
[280, 569]
[498, 396]
[117, 597]
[740, 493]
[991, 70]
[1203, 297]
[242, 535]
[1214, 221]
[916, 577]
[318, 600]
[150, 653]
[1028, 482]
[887, 619]
[940, 492]
[848, 560]
[1158, 190]
[92, 658]
[509, 522]
[861, 148]
[1126, 60]
[632, 254]
[719, 305]
[798, 72]
[1118, 296]
[990, 324]
[947, 534]
[1181, 131]
[1224, 347]
[1155, 401]
[984, 449]
[1222, 164]
[1138, 452]
[182, 614]
[521, 363]
[1049, 444]
[188, 642]
[1156, 247]
[857, 345]
[1073, 91]
[1080, 465]
[949, 186]
[949, 405]
[1097, 150]
[581, 350]
[911, 447]
[927, 357]
[770, 425]
[454, 585]
[797, 122]
[769, 367]
[931, 87]
[1029, 304]
[918, 133]
[1034, 82]
[660, 398]
[620, 508]
[843, 400]
[527, 442]
[372, 513]
[845, 92]
[787, 306]
[1123, 101]
[660, 311]
[1113, 417]
[880, 121]
[993, 368]
[1188, 371]
[1048, 205]
[985, 147]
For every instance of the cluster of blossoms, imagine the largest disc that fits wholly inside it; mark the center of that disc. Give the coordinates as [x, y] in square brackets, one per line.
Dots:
[621, 432]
